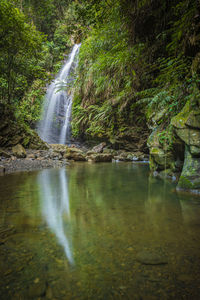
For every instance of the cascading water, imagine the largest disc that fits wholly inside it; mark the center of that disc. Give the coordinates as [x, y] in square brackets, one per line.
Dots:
[55, 124]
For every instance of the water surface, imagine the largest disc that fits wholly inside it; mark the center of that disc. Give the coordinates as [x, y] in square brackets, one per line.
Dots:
[97, 231]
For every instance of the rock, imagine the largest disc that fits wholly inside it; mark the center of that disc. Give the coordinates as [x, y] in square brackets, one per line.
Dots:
[100, 157]
[109, 151]
[90, 152]
[31, 156]
[187, 125]
[190, 136]
[190, 176]
[55, 155]
[165, 150]
[99, 148]
[59, 148]
[19, 151]
[74, 154]
[2, 169]
[149, 257]
[4, 154]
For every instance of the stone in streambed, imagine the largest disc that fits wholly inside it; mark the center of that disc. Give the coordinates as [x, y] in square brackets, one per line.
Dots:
[74, 154]
[100, 157]
[148, 257]
[19, 151]
[99, 148]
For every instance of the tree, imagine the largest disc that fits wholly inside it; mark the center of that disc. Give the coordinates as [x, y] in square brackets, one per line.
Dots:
[20, 44]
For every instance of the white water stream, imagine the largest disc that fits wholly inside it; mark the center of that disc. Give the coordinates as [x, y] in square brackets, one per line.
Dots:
[55, 124]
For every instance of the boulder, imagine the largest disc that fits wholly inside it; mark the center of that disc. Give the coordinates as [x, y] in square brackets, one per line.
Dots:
[19, 151]
[74, 154]
[165, 149]
[99, 148]
[190, 175]
[187, 127]
[100, 157]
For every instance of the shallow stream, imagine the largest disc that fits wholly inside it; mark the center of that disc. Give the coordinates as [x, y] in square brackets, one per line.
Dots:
[97, 231]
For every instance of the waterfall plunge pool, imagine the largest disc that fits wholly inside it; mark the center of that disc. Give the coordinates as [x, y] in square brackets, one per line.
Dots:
[97, 231]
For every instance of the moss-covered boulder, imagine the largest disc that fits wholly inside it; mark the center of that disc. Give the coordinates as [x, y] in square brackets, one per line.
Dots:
[100, 157]
[187, 126]
[74, 154]
[19, 151]
[190, 176]
[166, 150]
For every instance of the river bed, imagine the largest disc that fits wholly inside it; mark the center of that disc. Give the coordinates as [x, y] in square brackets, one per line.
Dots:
[97, 231]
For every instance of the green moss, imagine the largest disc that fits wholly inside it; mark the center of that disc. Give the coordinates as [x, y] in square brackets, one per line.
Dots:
[180, 120]
[185, 183]
[26, 141]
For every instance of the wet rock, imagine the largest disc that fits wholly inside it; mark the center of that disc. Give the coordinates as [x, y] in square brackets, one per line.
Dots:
[55, 155]
[187, 127]
[19, 151]
[4, 154]
[59, 148]
[99, 148]
[90, 152]
[31, 156]
[190, 176]
[2, 169]
[165, 150]
[100, 157]
[74, 154]
[155, 257]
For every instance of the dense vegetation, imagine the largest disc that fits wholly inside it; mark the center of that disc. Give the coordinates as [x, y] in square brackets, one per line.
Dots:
[136, 57]
[139, 57]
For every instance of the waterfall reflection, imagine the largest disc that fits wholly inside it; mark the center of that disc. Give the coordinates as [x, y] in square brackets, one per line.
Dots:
[55, 204]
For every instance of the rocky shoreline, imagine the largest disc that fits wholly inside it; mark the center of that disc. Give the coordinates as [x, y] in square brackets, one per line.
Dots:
[18, 159]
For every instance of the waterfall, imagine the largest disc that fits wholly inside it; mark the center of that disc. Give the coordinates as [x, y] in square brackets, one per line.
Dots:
[55, 124]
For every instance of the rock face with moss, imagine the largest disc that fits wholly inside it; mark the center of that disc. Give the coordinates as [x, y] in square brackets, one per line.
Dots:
[178, 143]
[13, 132]
[166, 151]
[187, 128]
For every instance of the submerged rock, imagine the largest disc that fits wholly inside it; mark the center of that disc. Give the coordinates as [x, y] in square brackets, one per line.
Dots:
[149, 257]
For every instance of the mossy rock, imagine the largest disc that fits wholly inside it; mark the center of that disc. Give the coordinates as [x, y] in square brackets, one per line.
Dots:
[179, 121]
[190, 176]
[190, 136]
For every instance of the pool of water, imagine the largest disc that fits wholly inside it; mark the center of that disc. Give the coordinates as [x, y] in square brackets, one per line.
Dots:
[97, 231]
